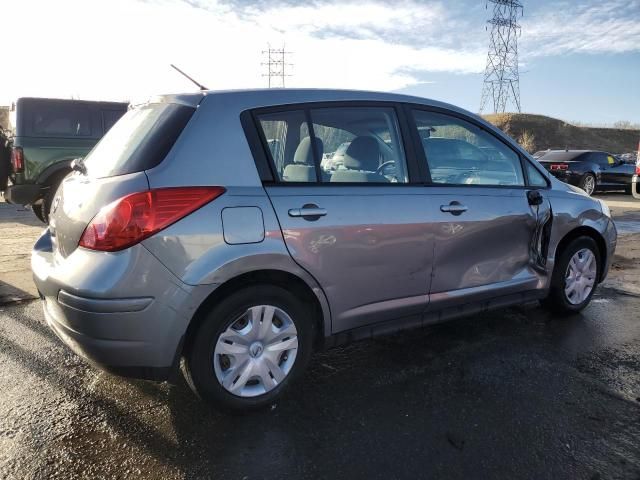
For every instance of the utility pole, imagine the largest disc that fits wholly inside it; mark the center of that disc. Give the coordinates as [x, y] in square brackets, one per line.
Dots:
[501, 78]
[277, 66]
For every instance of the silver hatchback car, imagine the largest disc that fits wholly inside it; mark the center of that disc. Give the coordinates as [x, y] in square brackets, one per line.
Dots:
[185, 239]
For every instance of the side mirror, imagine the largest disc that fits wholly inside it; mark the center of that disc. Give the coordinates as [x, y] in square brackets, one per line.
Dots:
[534, 197]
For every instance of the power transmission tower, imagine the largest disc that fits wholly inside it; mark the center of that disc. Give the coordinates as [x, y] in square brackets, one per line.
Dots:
[277, 66]
[501, 77]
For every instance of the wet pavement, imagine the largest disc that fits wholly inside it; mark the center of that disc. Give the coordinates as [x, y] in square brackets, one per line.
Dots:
[513, 394]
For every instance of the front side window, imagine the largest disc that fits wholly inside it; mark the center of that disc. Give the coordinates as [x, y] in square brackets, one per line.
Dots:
[536, 179]
[460, 153]
[360, 145]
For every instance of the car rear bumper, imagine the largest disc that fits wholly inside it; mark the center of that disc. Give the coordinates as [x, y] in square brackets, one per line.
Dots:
[634, 186]
[122, 311]
[567, 177]
[23, 194]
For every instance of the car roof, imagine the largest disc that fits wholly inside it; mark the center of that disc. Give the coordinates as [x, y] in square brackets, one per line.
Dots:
[565, 155]
[282, 96]
[68, 101]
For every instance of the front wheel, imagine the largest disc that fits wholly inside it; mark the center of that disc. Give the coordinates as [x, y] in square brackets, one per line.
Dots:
[588, 183]
[249, 348]
[575, 276]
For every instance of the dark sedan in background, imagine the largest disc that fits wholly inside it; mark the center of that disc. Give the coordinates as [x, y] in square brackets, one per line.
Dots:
[589, 169]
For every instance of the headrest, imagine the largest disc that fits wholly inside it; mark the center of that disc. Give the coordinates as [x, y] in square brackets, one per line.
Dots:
[303, 153]
[363, 153]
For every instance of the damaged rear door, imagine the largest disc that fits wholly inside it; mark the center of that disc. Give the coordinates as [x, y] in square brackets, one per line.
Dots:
[490, 221]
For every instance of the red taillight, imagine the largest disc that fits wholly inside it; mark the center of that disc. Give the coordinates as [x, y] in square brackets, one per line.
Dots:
[17, 159]
[559, 166]
[133, 218]
[638, 168]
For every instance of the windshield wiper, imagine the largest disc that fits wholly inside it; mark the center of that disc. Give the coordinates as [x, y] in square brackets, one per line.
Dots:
[79, 166]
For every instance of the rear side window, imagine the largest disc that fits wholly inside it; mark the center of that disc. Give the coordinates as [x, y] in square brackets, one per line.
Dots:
[349, 144]
[360, 145]
[139, 141]
[287, 136]
[61, 121]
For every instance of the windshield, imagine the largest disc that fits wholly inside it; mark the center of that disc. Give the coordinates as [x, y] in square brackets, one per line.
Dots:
[139, 140]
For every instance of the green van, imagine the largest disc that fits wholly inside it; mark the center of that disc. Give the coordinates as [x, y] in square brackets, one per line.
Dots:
[48, 135]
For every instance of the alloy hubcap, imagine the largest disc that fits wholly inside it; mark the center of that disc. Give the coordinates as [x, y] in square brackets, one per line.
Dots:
[580, 278]
[589, 185]
[256, 352]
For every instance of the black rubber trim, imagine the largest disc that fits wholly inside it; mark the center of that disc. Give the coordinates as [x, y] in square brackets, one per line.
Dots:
[255, 145]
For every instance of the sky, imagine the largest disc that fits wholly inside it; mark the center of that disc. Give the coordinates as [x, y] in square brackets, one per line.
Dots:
[578, 61]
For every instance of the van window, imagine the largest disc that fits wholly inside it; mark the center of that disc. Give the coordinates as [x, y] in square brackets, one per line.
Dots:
[61, 121]
[139, 141]
[110, 117]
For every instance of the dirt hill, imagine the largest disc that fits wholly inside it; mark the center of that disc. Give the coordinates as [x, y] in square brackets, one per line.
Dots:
[537, 132]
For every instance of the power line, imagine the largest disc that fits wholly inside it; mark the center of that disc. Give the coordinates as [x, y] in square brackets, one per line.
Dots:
[277, 66]
[501, 77]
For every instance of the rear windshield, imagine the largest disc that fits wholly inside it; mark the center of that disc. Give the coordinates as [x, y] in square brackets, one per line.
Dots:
[55, 120]
[139, 140]
[561, 156]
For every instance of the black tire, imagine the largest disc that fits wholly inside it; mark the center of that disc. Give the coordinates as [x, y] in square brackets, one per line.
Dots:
[43, 207]
[198, 360]
[584, 185]
[557, 300]
[38, 210]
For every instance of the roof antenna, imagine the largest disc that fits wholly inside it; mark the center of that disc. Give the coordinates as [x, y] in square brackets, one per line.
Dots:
[200, 86]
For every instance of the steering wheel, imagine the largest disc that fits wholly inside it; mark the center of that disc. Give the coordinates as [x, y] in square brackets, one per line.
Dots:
[380, 169]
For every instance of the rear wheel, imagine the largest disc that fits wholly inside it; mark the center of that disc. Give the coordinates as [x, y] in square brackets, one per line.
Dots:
[249, 348]
[42, 209]
[588, 183]
[575, 276]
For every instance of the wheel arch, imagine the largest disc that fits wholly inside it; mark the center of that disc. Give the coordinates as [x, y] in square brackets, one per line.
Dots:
[52, 173]
[584, 231]
[276, 277]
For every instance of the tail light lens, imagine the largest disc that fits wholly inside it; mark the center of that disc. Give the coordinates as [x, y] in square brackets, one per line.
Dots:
[17, 159]
[559, 166]
[131, 219]
[638, 168]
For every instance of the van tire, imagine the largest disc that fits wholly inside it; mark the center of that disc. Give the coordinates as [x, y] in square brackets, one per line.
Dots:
[198, 361]
[42, 209]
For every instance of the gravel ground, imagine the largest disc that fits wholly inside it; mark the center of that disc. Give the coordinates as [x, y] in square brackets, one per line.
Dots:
[512, 394]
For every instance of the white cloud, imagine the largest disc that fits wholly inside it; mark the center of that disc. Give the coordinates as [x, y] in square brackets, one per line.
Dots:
[602, 27]
[122, 49]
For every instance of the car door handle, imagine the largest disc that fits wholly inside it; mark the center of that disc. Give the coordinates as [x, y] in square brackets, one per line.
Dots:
[454, 208]
[308, 212]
